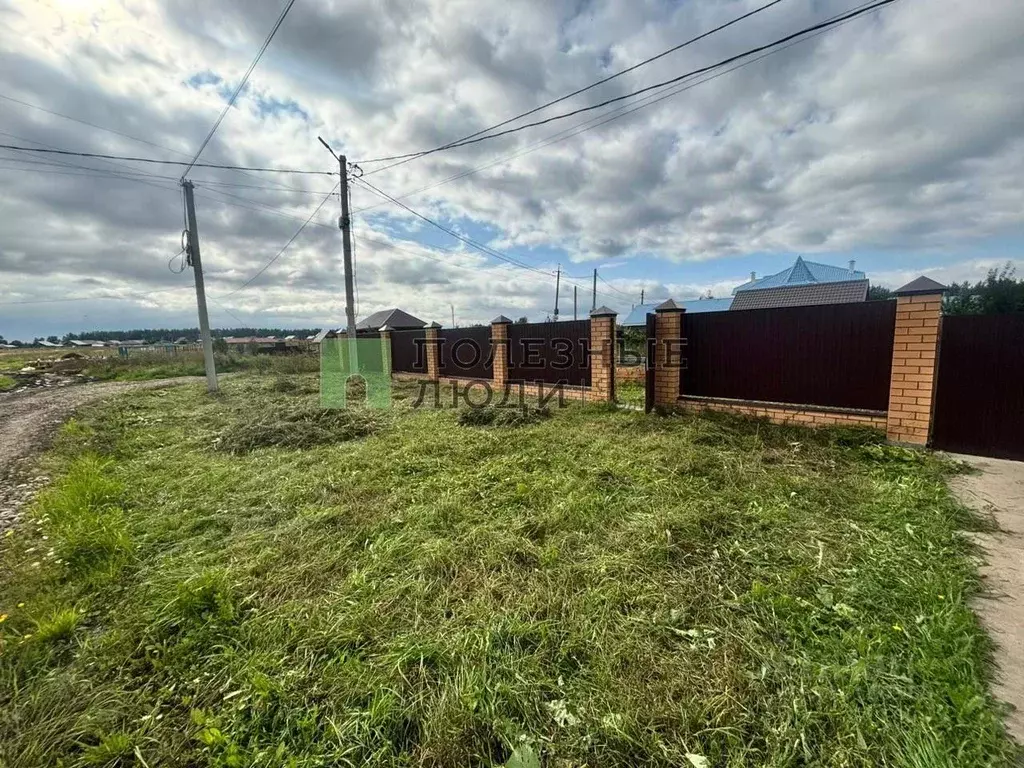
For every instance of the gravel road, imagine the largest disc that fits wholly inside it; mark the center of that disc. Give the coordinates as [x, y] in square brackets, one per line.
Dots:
[27, 423]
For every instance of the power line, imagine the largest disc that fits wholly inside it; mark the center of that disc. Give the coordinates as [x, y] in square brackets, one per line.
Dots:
[168, 162]
[468, 241]
[577, 92]
[701, 70]
[608, 117]
[280, 253]
[627, 295]
[241, 85]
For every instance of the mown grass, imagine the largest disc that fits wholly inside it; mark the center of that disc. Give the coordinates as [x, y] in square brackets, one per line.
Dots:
[594, 588]
[155, 365]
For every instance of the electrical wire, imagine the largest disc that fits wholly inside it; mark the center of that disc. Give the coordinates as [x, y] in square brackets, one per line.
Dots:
[608, 117]
[170, 162]
[701, 70]
[280, 253]
[577, 92]
[627, 295]
[241, 85]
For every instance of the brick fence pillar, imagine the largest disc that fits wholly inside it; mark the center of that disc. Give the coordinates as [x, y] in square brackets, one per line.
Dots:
[433, 353]
[914, 361]
[602, 354]
[385, 349]
[668, 353]
[499, 348]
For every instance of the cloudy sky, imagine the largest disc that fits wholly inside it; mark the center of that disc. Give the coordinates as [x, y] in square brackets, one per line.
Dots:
[896, 140]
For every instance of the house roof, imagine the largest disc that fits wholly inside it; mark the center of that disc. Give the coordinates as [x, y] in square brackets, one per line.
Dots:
[394, 319]
[693, 306]
[802, 273]
[802, 295]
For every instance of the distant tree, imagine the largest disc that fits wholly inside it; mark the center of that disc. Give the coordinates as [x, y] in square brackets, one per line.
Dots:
[879, 293]
[522, 320]
[220, 346]
[53, 339]
[2, 339]
[17, 343]
[999, 292]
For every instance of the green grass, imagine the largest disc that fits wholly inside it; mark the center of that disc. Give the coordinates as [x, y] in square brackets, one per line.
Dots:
[156, 365]
[595, 588]
[629, 393]
[7, 383]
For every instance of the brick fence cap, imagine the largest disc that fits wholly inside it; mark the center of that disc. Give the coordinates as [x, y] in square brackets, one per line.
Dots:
[434, 324]
[501, 320]
[919, 286]
[669, 306]
[603, 311]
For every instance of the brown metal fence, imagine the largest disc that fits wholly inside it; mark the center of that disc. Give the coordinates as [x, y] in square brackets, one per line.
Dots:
[466, 353]
[979, 397]
[409, 351]
[837, 355]
[550, 352]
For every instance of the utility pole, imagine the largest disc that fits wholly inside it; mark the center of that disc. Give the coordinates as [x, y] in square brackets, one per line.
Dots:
[558, 280]
[641, 295]
[594, 304]
[453, 314]
[345, 224]
[197, 265]
[574, 289]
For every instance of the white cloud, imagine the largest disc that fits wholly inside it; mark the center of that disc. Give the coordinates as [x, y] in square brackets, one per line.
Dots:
[894, 132]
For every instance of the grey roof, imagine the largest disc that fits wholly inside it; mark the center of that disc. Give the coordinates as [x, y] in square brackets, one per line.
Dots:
[920, 285]
[602, 311]
[501, 320]
[802, 295]
[668, 305]
[394, 319]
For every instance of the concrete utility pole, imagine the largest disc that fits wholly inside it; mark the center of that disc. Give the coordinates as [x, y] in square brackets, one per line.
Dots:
[345, 224]
[574, 289]
[197, 265]
[453, 314]
[641, 295]
[558, 280]
[593, 306]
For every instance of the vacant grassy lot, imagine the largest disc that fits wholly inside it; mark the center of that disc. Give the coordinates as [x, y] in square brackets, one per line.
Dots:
[409, 587]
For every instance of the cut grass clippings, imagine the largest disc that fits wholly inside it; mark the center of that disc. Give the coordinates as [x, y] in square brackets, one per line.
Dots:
[7, 383]
[597, 588]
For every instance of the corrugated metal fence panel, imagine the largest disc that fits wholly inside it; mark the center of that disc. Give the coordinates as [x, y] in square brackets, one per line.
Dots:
[550, 352]
[837, 355]
[466, 352]
[408, 351]
[979, 397]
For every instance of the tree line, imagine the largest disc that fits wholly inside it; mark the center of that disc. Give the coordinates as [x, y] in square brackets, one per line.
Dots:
[158, 335]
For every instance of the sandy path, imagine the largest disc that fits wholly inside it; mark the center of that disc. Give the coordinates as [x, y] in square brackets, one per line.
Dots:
[999, 490]
[27, 423]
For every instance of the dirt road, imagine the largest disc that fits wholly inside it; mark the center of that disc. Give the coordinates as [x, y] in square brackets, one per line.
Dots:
[27, 423]
[998, 490]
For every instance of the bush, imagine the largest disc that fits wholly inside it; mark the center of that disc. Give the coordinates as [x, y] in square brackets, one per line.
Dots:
[301, 426]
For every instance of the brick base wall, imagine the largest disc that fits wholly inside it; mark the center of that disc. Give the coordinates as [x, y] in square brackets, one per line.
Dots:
[781, 413]
[631, 373]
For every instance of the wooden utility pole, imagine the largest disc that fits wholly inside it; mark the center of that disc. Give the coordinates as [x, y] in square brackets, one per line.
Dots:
[641, 295]
[558, 280]
[195, 260]
[345, 224]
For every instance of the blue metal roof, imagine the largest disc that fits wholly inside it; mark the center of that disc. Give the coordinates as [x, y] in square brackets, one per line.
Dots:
[694, 306]
[803, 273]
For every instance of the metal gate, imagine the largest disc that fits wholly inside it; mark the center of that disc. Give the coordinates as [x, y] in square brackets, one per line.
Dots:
[979, 398]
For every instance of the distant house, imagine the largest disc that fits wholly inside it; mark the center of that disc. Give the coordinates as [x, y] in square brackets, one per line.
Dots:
[804, 284]
[638, 316]
[87, 343]
[49, 344]
[394, 319]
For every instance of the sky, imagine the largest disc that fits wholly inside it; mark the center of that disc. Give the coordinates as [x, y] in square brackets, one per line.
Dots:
[896, 140]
